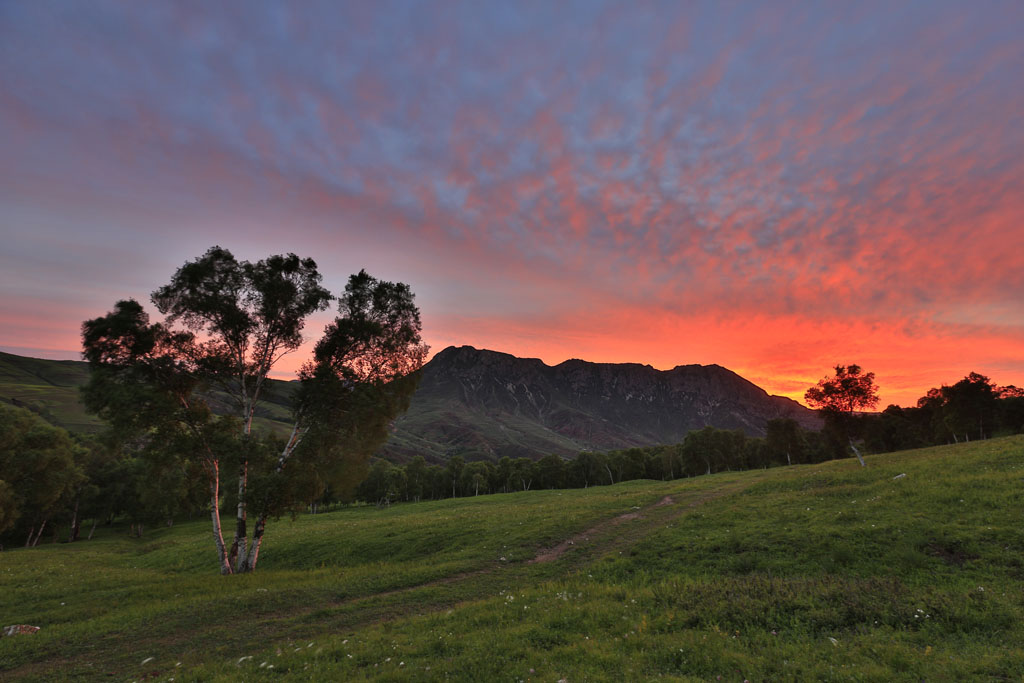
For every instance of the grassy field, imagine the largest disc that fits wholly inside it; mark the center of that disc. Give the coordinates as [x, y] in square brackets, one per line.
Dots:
[819, 572]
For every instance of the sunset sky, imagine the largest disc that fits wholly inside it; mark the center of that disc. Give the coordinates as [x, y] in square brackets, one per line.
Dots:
[774, 187]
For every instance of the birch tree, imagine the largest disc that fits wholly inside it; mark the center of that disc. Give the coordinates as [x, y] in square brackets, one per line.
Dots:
[227, 322]
[249, 315]
[144, 382]
[361, 377]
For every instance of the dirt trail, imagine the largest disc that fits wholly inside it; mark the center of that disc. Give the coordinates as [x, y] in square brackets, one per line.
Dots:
[605, 526]
[560, 549]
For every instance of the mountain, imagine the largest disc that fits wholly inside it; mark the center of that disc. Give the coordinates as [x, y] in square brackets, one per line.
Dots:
[485, 404]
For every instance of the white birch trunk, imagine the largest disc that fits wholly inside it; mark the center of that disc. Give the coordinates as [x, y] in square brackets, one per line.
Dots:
[218, 536]
[238, 547]
[857, 453]
[247, 561]
[40, 533]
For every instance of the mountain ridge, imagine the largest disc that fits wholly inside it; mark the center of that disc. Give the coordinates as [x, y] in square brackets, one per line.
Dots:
[505, 405]
[484, 404]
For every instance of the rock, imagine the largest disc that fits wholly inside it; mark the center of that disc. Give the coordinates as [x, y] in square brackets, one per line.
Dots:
[19, 629]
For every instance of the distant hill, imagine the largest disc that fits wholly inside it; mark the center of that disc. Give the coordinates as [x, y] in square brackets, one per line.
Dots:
[484, 405]
[51, 389]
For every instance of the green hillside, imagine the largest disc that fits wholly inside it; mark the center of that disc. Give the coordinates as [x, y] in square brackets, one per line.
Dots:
[51, 389]
[908, 569]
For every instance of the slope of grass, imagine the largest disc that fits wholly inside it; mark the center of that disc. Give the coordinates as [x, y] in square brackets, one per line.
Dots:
[827, 572]
[50, 388]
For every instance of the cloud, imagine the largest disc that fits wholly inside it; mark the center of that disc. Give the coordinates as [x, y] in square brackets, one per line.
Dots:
[652, 183]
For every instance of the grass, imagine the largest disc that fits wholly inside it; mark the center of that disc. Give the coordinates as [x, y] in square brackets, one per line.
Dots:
[50, 388]
[827, 572]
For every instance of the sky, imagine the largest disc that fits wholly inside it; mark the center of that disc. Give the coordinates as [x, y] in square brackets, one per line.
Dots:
[773, 187]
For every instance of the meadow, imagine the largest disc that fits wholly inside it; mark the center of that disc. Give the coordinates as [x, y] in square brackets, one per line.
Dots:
[908, 569]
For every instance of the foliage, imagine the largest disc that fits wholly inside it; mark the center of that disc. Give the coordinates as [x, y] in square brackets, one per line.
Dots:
[38, 472]
[849, 390]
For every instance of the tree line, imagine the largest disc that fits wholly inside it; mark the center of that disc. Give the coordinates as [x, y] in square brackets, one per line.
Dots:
[973, 408]
[58, 486]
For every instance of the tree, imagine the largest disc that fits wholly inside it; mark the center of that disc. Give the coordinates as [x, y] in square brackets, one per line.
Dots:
[416, 476]
[476, 475]
[234, 321]
[785, 439]
[550, 472]
[39, 472]
[588, 468]
[384, 484]
[523, 471]
[971, 402]
[251, 314]
[838, 397]
[453, 472]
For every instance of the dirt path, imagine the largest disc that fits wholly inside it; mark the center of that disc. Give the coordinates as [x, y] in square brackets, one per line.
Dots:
[603, 528]
[557, 551]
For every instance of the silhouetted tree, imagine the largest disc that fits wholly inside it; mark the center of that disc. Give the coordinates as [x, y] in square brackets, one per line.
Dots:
[839, 396]
[969, 404]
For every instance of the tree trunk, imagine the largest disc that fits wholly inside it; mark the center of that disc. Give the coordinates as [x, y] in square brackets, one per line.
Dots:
[28, 541]
[93, 529]
[857, 453]
[247, 560]
[611, 479]
[237, 557]
[218, 536]
[254, 548]
[788, 461]
[39, 533]
[238, 547]
[73, 535]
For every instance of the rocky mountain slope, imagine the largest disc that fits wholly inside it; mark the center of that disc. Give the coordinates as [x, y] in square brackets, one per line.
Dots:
[485, 404]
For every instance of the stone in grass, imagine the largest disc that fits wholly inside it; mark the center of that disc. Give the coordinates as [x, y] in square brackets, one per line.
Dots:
[19, 629]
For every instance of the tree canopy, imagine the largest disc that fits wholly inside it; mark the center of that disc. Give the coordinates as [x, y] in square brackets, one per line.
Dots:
[849, 390]
[839, 396]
